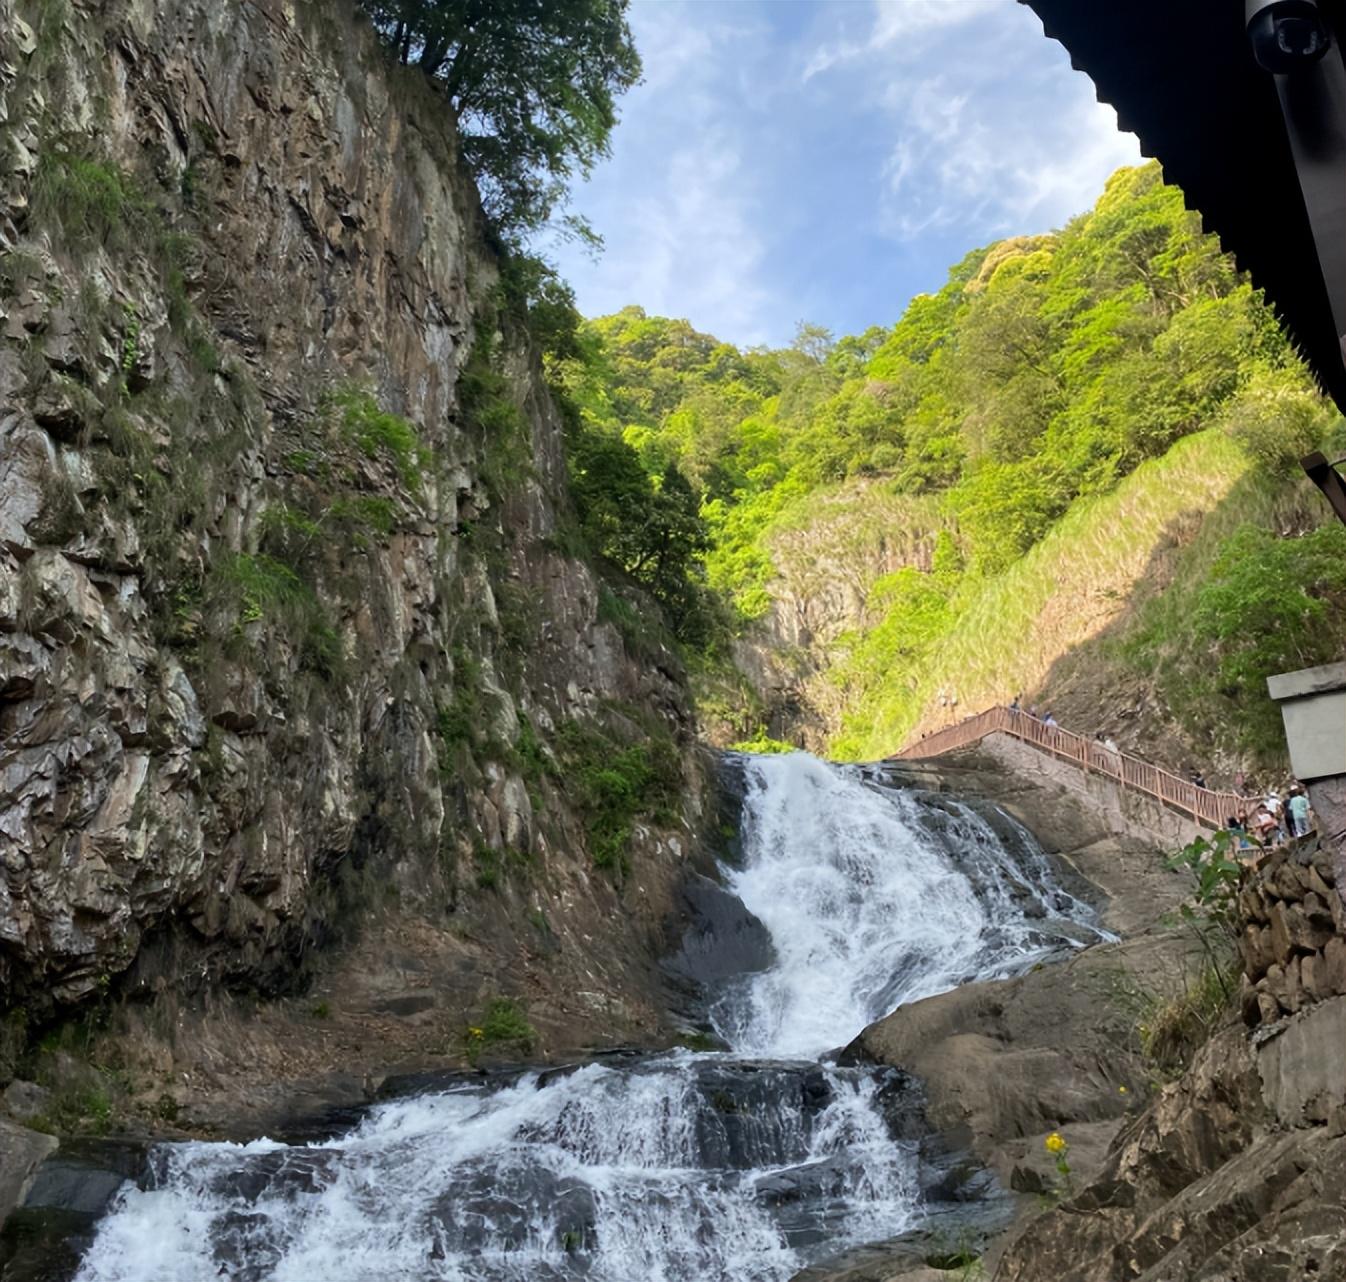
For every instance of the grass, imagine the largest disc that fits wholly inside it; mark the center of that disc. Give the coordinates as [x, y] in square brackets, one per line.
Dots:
[614, 784]
[503, 1026]
[91, 201]
[381, 434]
[1009, 630]
[1173, 1028]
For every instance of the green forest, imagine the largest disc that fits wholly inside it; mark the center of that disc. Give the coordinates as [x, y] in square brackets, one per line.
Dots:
[993, 414]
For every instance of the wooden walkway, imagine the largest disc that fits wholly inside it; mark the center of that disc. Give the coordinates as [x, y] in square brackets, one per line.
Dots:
[1213, 809]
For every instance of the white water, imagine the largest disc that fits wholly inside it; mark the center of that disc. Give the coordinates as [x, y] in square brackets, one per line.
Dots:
[868, 905]
[705, 1167]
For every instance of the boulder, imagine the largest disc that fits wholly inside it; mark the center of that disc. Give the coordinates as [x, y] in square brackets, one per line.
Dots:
[21, 1153]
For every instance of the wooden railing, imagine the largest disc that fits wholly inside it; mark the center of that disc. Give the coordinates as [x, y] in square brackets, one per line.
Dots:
[1213, 809]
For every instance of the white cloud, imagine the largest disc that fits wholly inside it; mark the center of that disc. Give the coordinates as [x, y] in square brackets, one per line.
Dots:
[900, 26]
[681, 207]
[982, 161]
[692, 247]
[742, 196]
[897, 20]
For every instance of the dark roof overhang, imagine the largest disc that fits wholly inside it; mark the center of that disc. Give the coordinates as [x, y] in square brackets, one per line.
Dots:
[1182, 77]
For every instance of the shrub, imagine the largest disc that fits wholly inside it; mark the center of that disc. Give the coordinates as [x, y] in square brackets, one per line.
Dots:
[92, 202]
[377, 432]
[1277, 418]
[613, 785]
[761, 743]
[504, 1025]
[1271, 605]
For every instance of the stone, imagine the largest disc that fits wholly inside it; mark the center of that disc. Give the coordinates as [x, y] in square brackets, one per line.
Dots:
[1302, 1069]
[1331, 974]
[1269, 1009]
[1292, 931]
[1252, 907]
[21, 1153]
[1309, 966]
[1255, 946]
[24, 1101]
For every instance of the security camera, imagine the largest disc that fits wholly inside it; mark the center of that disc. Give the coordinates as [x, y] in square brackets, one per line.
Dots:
[1287, 35]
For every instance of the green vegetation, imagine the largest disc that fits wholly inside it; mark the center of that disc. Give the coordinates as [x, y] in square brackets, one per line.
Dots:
[532, 86]
[503, 1026]
[379, 433]
[614, 784]
[762, 742]
[1089, 408]
[1270, 604]
[262, 589]
[91, 201]
[1173, 1026]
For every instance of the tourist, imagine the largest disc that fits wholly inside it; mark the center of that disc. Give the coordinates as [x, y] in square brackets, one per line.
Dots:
[1272, 803]
[1299, 812]
[1198, 779]
[1048, 719]
[1265, 827]
[1111, 744]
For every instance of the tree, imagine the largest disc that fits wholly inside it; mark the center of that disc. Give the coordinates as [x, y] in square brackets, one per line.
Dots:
[533, 85]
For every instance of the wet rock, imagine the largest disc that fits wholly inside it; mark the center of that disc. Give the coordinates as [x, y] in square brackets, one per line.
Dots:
[84, 1175]
[722, 939]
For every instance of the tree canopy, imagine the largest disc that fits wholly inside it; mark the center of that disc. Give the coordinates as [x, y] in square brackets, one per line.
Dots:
[1045, 371]
[533, 85]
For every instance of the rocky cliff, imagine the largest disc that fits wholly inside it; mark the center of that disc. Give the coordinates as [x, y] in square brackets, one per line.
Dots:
[294, 651]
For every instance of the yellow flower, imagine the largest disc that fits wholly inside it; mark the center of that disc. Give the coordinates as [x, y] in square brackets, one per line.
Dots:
[1122, 1089]
[1055, 1143]
[474, 1032]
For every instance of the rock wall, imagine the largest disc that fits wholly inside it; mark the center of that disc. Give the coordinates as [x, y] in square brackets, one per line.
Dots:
[1293, 942]
[1237, 1171]
[292, 650]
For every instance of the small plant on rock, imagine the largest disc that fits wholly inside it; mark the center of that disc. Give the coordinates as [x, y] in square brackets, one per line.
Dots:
[1059, 1148]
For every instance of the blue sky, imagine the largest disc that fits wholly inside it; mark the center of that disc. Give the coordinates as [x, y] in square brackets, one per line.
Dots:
[825, 160]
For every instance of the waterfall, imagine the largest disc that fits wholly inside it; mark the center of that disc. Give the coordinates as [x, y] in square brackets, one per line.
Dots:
[872, 898]
[739, 1167]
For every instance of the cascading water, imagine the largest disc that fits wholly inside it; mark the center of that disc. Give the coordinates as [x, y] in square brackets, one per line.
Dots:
[739, 1167]
[872, 899]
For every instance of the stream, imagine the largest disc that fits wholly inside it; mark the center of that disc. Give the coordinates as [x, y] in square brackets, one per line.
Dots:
[743, 1165]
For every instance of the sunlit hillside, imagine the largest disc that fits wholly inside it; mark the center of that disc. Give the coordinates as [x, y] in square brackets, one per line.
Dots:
[950, 507]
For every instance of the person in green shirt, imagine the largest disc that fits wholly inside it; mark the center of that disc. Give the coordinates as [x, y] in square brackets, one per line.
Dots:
[1298, 807]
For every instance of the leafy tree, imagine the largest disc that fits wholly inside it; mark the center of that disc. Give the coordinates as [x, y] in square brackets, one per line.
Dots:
[1271, 605]
[533, 85]
[651, 528]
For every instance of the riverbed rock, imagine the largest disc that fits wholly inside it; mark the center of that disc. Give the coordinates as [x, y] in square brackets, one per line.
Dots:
[21, 1153]
[1043, 1051]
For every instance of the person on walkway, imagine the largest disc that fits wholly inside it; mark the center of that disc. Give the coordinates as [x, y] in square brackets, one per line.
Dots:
[1265, 827]
[1272, 802]
[1111, 744]
[1048, 719]
[1299, 812]
[1198, 778]
[1014, 706]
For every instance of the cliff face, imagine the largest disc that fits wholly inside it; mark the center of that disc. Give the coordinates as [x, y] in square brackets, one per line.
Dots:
[289, 638]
